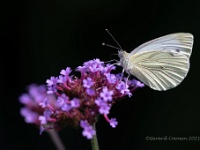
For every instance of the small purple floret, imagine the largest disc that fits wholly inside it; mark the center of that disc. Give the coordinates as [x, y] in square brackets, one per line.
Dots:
[123, 88]
[88, 83]
[113, 122]
[90, 92]
[106, 94]
[88, 130]
[104, 107]
[66, 72]
[66, 107]
[111, 77]
[75, 103]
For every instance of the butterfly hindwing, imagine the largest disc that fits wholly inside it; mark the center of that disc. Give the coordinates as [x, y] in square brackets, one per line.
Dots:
[160, 70]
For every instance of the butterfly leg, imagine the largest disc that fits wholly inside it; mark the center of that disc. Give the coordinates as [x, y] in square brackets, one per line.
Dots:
[115, 60]
[126, 83]
[127, 80]
[122, 75]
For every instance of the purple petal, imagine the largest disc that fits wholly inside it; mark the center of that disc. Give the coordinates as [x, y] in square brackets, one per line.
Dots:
[42, 119]
[29, 115]
[75, 103]
[106, 94]
[87, 83]
[90, 92]
[66, 107]
[113, 122]
[66, 72]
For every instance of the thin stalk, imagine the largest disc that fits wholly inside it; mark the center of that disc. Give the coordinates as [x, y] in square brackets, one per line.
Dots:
[94, 141]
[56, 139]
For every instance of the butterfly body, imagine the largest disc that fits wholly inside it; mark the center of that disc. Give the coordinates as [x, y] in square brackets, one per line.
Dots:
[161, 63]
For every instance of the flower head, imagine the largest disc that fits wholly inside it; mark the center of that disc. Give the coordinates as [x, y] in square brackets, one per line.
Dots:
[78, 101]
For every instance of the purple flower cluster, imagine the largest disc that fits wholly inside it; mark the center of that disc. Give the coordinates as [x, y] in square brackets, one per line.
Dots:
[35, 103]
[80, 100]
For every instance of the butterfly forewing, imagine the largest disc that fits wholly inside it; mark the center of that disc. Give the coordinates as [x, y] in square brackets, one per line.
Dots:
[161, 63]
[181, 42]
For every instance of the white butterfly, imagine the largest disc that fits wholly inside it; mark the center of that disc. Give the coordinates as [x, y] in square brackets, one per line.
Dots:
[161, 63]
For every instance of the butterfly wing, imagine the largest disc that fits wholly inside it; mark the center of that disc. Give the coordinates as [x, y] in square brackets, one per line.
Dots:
[182, 42]
[162, 63]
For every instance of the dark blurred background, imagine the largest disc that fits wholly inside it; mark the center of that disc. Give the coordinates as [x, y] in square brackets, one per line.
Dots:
[38, 38]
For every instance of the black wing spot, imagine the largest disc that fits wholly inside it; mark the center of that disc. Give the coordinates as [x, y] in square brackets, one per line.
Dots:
[175, 52]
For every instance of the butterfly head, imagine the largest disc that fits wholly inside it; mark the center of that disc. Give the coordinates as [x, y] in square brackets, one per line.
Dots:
[122, 54]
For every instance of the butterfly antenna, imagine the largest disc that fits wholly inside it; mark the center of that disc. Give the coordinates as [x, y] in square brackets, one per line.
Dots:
[104, 44]
[113, 39]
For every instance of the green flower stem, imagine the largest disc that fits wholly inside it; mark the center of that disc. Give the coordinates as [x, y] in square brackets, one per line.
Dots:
[94, 141]
[56, 139]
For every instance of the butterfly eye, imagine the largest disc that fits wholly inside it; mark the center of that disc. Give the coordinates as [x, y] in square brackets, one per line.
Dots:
[120, 53]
